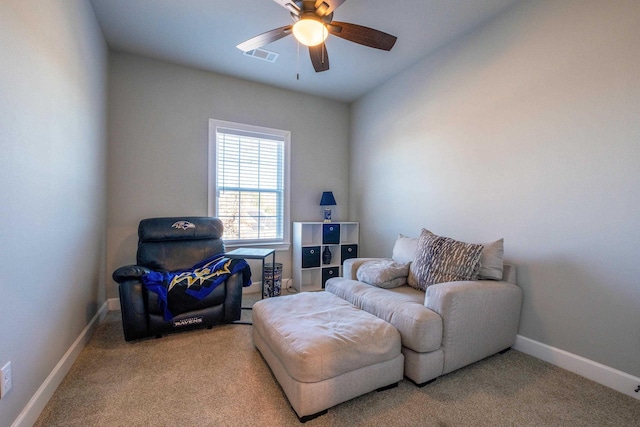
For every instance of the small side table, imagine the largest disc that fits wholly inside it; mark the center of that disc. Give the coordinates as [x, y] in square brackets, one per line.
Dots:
[254, 253]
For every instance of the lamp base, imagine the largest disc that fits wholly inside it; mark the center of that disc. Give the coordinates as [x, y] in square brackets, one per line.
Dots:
[327, 214]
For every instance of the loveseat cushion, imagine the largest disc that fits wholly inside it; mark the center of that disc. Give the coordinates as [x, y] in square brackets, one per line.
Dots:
[403, 307]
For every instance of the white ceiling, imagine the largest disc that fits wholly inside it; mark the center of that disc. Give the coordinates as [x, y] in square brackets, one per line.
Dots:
[204, 34]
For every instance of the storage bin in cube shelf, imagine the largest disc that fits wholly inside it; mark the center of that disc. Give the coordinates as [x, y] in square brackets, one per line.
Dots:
[311, 257]
[330, 234]
[348, 251]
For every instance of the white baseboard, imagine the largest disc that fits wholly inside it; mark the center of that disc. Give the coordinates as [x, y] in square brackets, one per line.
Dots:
[32, 410]
[612, 378]
[113, 304]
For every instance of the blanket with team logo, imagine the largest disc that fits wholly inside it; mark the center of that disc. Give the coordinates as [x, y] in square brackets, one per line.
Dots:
[181, 291]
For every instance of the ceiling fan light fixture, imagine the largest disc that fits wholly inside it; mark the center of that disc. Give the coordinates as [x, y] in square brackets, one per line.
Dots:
[310, 31]
[313, 21]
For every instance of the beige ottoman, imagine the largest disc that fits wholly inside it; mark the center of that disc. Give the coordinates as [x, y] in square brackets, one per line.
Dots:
[324, 351]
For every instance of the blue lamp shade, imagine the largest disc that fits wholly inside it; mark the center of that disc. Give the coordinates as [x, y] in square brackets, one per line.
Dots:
[327, 199]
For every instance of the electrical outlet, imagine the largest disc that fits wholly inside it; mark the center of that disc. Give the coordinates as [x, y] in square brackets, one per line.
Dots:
[5, 379]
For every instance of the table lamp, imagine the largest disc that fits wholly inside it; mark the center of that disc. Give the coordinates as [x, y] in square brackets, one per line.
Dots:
[326, 201]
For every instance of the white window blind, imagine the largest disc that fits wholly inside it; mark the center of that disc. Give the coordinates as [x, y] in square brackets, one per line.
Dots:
[250, 183]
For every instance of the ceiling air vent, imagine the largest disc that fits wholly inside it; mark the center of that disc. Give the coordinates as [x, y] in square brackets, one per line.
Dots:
[263, 54]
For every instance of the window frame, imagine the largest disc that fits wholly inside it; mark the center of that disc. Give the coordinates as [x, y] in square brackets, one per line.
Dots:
[214, 125]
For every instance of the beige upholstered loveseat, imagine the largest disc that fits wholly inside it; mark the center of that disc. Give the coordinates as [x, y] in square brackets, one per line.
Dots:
[452, 324]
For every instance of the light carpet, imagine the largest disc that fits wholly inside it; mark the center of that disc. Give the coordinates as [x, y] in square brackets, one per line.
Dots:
[217, 378]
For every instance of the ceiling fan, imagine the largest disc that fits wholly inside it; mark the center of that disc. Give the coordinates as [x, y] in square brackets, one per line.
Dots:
[313, 22]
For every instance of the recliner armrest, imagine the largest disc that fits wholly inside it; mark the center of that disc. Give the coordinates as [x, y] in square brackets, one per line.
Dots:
[129, 272]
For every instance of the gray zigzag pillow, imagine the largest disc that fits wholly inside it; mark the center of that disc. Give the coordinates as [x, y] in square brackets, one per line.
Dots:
[442, 259]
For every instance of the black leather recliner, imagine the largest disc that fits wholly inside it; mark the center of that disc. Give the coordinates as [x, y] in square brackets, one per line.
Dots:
[172, 244]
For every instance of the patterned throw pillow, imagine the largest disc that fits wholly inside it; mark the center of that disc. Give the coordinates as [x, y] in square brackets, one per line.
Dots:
[412, 280]
[442, 259]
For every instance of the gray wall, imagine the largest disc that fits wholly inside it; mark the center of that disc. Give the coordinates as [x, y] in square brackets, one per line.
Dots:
[529, 130]
[52, 186]
[158, 145]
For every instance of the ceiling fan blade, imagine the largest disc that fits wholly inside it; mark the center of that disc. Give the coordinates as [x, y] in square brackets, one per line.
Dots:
[319, 57]
[265, 38]
[332, 5]
[362, 35]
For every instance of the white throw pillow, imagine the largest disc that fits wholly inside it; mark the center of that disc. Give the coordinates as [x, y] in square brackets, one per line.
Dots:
[404, 251]
[491, 259]
[491, 263]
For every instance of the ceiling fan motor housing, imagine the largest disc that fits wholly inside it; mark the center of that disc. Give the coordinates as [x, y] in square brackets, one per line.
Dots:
[308, 10]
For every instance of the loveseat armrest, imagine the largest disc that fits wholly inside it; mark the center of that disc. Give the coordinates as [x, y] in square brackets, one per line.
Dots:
[479, 318]
[351, 265]
[129, 272]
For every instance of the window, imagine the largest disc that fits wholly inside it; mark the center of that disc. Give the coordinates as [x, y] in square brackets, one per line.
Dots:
[249, 182]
